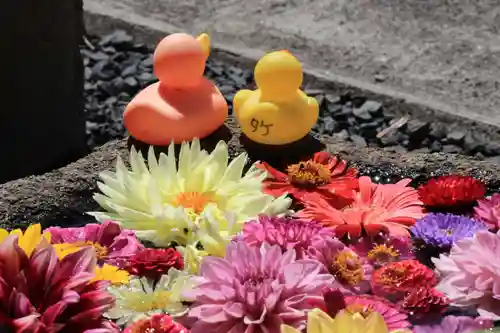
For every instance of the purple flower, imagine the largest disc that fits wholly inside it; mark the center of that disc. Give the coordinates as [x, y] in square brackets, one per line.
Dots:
[288, 233]
[255, 289]
[443, 230]
[454, 324]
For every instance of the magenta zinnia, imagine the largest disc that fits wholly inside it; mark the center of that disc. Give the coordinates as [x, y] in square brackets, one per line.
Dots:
[43, 294]
[255, 289]
[352, 272]
[288, 233]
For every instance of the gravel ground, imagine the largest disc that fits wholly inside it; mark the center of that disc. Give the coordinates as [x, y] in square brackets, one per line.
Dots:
[117, 68]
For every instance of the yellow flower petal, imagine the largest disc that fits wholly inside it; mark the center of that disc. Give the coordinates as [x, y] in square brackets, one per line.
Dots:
[375, 324]
[320, 322]
[112, 274]
[289, 329]
[3, 234]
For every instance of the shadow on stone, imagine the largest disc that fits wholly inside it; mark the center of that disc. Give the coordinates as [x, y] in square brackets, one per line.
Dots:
[283, 155]
[208, 143]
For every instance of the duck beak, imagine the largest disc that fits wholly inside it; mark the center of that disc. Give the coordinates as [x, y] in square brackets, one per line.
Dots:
[204, 40]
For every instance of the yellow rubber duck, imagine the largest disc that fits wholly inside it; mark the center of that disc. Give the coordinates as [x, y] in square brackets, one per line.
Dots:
[278, 112]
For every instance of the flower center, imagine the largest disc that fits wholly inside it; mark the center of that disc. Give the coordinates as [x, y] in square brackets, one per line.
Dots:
[393, 275]
[448, 232]
[383, 254]
[194, 200]
[100, 250]
[348, 268]
[359, 309]
[309, 174]
[141, 302]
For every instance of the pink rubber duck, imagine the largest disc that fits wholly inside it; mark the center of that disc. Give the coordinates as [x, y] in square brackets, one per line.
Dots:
[183, 105]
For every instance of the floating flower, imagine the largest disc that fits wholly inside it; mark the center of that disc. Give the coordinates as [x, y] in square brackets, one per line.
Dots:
[255, 289]
[451, 191]
[27, 240]
[470, 274]
[111, 243]
[443, 230]
[320, 322]
[394, 280]
[488, 211]
[112, 274]
[157, 323]
[455, 324]
[384, 249]
[352, 273]
[153, 263]
[44, 294]
[376, 208]
[163, 199]
[363, 305]
[324, 175]
[424, 302]
[142, 297]
[288, 233]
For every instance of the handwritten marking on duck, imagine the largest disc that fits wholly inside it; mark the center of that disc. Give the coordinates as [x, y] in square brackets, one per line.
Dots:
[256, 124]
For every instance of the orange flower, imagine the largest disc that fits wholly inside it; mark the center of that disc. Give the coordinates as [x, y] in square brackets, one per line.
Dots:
[376, 207]
[324, 175]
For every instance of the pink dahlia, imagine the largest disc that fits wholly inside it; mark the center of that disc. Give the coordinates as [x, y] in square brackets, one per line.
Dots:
[470, 274]
[335, 301]
[384, 249]
[288, 233]
[112, 244]
[255, 289]
[456, 324]
[488, 211]
[352, 272]
[43, 294]
[376, 207]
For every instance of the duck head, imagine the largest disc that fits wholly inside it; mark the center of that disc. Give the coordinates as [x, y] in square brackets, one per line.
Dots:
[278, 75]
[179, 59]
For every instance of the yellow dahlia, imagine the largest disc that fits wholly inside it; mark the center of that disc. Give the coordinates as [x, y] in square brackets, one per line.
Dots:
[28, 240]
[164, 198]
[320, 322]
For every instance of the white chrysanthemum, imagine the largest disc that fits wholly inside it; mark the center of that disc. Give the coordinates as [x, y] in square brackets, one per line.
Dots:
[142, 298]
[165, 199]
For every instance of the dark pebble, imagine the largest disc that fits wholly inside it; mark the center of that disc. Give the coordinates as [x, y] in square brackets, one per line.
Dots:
[436, 146]
[451, 149]
[417, 130]
[390, 139]
[362, 114]
[358, 140]
[438, 131]
[456, 136]
[130, 70]
[118, 37]
[328, 125]
[492, 149]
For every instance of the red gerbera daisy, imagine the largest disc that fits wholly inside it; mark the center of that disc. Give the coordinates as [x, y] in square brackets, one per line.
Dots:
[324, 174]
[452, 190]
